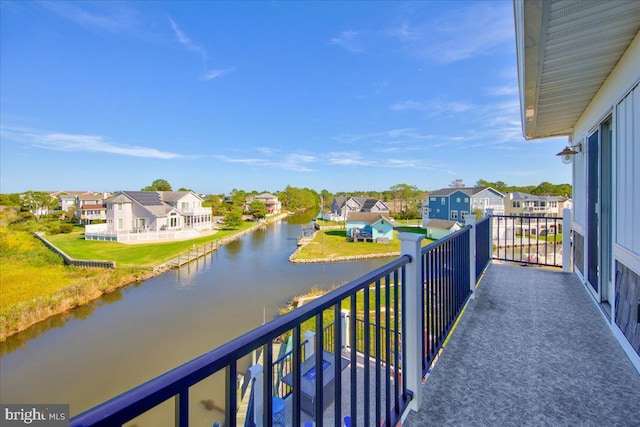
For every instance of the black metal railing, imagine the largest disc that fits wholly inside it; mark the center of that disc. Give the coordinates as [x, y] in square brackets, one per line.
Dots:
[528, 240]
[376, 396]
[446, 280]
[483, 245]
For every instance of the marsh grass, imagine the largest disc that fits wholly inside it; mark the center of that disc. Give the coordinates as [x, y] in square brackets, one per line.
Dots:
[36, 283]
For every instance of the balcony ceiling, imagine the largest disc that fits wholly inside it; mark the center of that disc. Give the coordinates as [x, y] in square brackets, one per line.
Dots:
[566, 50]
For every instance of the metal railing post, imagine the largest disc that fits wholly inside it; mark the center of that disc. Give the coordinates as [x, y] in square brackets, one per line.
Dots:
[410, 245]
[346, 332]
[566, 240]
[490, 215]
[258, 390]
[470, 219]
[309, 347]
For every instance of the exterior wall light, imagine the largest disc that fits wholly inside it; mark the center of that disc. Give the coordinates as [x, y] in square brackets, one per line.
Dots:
[568, 153]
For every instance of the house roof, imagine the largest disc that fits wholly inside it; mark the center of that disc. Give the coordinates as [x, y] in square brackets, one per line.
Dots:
[172, 196]
[369, 203]
[449, 191]
[517, 195]
[92, 207]
[265, 196]
[119, 198]
[442, 224]
[150, 200]
[370, 217]
[565, 52]
[89, 196]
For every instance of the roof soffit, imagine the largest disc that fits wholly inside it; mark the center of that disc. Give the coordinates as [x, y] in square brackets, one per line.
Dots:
[570, 48]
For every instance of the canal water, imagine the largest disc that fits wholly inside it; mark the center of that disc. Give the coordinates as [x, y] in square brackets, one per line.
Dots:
[123, 339]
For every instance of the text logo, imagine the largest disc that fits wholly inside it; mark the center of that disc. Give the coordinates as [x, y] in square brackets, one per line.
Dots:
[34, 415]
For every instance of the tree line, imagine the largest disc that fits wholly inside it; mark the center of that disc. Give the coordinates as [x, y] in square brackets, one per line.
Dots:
[404, 199]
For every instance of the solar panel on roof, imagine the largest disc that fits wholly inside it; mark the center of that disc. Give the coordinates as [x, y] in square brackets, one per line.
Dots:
[146, 198]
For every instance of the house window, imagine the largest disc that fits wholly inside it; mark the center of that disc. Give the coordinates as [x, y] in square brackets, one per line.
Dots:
[466, 200]
[119, 206]
[463, 213]
[433, 199]
[454, 214]
[458, 199]
[442, 201]
[120, 223]
[516, 204]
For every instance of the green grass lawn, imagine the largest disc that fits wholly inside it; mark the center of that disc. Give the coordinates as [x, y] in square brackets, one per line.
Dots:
[138, 255]
[333, 243]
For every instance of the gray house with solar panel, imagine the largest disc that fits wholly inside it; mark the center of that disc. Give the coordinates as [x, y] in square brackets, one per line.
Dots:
[159, 214]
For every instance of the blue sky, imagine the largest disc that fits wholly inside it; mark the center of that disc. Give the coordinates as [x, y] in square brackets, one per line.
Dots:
[213, 96]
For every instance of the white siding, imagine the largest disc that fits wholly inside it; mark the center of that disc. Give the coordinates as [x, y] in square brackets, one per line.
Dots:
[627, 172]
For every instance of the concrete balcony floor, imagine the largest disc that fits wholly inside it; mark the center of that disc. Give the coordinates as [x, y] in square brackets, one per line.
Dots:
[532, 349]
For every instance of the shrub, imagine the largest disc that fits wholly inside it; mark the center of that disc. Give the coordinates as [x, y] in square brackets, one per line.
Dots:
[66, 228]
[54, 229]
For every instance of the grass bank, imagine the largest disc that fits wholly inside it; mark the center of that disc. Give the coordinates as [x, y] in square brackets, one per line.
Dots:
[36, 284]
[332, 245]
[145, 255]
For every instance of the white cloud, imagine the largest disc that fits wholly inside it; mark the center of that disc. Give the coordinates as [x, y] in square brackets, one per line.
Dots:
[349, 40]
[83, 143]
[214, 74]
[189, 44]
[292, 162]
[433, 108]
[184, 40]
[476, 29]
[114, 18]
[502, 90]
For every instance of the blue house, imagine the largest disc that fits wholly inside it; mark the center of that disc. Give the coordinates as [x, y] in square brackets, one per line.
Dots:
[374, 226]
[454, 203]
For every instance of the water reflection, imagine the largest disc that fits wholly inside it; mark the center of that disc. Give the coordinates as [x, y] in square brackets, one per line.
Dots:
[20, 340]
[125, 338]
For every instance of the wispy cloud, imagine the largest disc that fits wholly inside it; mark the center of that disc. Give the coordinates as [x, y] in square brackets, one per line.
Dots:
[184, 40]
[199, 50]
[433, 108]
[350, 40]
[82, 143]
[502, 90]
[389, 137]
[115, 18]
[292, 162]
[478, 28]
[214, 74]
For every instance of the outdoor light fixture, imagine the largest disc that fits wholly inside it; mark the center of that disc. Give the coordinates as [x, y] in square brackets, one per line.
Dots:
[568, 153]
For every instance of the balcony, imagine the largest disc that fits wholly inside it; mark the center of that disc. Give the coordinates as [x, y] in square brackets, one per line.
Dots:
[530, 347]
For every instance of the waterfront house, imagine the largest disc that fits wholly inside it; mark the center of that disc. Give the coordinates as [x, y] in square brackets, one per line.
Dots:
[342, 206]
[454, 203]
[522, 204]
[579, 73]
[152, 215]
[91, 207]
[271, 202]
[374, 226]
